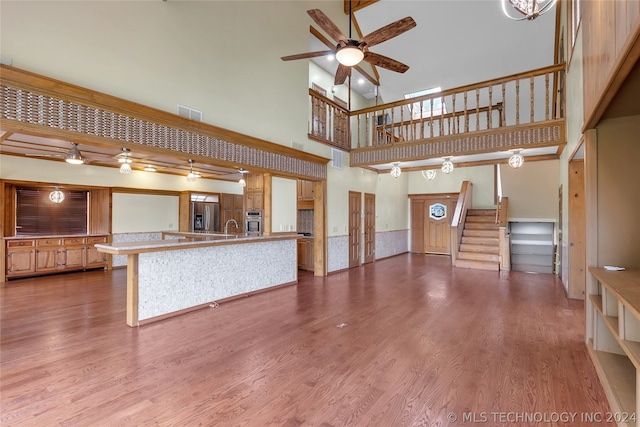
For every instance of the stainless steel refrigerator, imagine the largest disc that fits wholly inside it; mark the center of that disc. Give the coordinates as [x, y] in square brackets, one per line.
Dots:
[205, 217]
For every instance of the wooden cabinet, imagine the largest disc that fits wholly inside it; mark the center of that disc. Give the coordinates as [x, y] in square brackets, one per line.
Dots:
[614, 339]
[254, 192]
[306, 194]
[21, 257]
[232, 207]
[31, 257]
[305, 254]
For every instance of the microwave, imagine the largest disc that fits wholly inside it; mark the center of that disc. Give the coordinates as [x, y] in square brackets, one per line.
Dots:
[253, 222]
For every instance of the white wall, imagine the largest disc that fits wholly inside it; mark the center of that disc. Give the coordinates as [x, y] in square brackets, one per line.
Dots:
[133, 213]
[481, 177]
[532, 190]
[284, 208]
[27, 169]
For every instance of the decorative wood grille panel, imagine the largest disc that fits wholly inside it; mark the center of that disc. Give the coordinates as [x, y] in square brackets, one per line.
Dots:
[33, 108]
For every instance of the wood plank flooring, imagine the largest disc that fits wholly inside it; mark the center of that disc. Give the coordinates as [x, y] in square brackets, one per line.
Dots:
[405, 341]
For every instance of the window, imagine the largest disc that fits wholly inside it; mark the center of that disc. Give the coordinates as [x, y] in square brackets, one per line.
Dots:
[428, 107]
[37, 215]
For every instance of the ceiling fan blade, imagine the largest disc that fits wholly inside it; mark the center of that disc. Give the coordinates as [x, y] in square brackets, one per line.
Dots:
[326, 24]
[388, 31]
[385, 62]
[308, 55]
[341, 74]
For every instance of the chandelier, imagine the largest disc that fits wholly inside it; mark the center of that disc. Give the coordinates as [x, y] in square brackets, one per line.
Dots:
[526, 9]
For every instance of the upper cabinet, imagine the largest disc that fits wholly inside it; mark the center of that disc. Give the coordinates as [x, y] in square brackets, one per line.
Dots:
[305, 194]
[254, 192]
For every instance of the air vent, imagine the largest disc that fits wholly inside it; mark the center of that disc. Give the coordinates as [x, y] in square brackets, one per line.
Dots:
[336, 158]
[189, 113]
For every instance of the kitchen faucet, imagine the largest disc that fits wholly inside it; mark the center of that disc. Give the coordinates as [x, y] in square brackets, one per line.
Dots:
[226, 226]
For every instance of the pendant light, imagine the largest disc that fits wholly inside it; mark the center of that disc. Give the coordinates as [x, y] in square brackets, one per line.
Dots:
[56, 196]
[192, 176]
[242, 182]
[447, 165]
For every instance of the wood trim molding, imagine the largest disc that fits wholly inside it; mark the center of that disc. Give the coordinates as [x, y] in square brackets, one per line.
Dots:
[40, 104]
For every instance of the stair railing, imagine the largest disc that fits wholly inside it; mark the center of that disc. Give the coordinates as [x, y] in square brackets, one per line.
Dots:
[502, 219]
[459, 217]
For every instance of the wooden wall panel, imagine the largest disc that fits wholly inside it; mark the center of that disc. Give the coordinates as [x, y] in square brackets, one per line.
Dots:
[99, 211]
[611, 46]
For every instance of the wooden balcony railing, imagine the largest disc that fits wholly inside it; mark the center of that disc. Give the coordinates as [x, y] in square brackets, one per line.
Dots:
[329, 122]
[523, 98]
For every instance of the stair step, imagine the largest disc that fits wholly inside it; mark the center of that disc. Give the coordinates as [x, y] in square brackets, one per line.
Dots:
[475, 240]
[480, 226]
[478, 256]
[481, 212]
[484, 218]
[465, 247]
[480, 233]
[477, 265]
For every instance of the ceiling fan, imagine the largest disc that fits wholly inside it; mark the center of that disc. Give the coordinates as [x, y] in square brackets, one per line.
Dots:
[350, 52]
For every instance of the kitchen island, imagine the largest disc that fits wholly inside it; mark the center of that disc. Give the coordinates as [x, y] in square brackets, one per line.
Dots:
[187, 271]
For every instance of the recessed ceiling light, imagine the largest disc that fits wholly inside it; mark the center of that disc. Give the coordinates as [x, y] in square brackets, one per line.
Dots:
[150, 168]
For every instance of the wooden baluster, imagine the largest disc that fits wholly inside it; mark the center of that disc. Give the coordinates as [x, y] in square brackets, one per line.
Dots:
[422, 122]
[517, 102]
[401, 130]
[454, 117]
[546, 96]
[466, 116]
[490, 116]
[441, 117]
[393, 120]
[531, 101]
[504, 104]
[431, 117]
[477, 110]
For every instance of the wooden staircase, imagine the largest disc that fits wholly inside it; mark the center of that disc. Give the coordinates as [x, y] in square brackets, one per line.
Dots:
[480, 245]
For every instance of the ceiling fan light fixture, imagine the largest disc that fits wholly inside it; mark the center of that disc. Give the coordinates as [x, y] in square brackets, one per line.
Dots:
[74, 156]
[242, 182]
[350, 55]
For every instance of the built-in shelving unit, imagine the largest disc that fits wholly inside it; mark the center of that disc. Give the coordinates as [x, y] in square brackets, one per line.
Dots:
[615, 341]
[532, 247]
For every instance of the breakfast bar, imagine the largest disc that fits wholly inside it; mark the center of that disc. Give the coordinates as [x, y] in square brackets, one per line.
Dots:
[187, 271]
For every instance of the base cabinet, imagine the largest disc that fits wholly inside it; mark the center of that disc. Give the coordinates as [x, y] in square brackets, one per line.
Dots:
[305, 254]
[32, 257]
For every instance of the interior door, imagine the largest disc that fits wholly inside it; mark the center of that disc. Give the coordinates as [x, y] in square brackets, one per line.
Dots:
[438, 226]
[355, 210]
[369, 227]
[418, 226]
[577, 230]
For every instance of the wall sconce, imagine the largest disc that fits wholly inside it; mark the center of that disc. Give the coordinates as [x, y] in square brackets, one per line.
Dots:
[447, 165]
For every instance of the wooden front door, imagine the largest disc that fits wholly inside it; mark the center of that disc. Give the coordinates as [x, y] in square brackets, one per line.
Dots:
[438, 226]
[369, 227]
[355, 210]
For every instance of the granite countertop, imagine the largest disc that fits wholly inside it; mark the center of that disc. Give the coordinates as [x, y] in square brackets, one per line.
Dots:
[186, 241]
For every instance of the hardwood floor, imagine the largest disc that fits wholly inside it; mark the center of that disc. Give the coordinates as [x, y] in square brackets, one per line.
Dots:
[405, 341]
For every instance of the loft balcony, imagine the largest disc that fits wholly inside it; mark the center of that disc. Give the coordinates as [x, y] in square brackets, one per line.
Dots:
[477, 123]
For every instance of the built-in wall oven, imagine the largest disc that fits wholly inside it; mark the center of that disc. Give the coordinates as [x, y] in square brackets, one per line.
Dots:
[253, 222]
